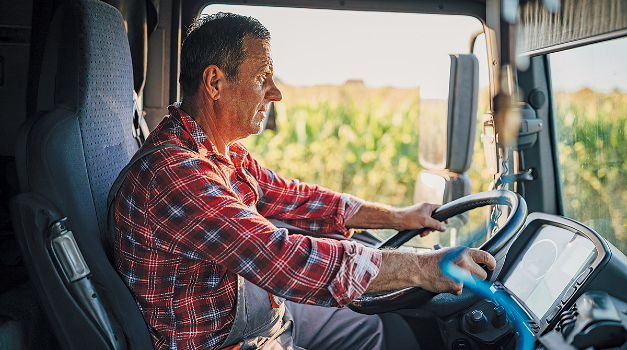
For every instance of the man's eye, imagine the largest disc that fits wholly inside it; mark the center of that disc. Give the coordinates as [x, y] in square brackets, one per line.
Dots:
[264, 77]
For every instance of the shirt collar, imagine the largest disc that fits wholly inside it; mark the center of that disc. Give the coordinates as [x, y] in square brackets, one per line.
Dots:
[206, 148]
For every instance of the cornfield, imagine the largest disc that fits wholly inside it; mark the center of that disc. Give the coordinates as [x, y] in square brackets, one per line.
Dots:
[347, 138]
[364, 141]
[591, 128]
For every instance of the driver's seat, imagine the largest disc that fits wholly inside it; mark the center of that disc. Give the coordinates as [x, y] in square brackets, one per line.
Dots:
[68, 154]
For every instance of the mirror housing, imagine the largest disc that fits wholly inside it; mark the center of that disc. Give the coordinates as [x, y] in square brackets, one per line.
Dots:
[455, 152]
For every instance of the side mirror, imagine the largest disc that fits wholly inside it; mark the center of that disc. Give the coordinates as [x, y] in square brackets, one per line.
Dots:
[448, 142]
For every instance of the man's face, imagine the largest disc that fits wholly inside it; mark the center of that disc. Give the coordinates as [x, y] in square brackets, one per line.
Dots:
[250, 94]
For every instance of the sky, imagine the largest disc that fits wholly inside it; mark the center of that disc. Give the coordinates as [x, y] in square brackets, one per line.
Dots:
[600, 67]
[317, 47]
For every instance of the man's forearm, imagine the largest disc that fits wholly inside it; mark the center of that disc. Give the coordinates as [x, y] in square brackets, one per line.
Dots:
[397, 271]
[376, 215]
[406, 269]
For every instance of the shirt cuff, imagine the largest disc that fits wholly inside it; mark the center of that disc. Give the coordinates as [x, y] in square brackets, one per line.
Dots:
[360, 265]
[349, 206]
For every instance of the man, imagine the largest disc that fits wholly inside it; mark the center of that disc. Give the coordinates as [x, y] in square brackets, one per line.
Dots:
[193, 242]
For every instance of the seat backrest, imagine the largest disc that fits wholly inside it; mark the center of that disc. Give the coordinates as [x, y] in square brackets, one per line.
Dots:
[68, 156]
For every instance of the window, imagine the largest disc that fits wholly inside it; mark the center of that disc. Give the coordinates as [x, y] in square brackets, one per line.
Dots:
[590, 101]
[354, 85]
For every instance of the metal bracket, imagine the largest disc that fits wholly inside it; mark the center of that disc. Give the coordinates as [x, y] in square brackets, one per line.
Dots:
[529, 126]
[527, 175]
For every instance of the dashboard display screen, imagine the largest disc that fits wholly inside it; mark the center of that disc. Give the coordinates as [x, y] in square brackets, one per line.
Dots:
[547, 265]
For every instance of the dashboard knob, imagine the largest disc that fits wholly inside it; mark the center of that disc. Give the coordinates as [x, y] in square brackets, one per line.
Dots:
[567, 328]
[476, 321]
[500, 317]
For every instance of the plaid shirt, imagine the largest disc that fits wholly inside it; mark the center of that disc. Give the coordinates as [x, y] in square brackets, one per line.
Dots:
[186, 225]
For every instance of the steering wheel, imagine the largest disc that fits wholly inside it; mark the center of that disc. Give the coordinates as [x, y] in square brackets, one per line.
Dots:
[414, 296]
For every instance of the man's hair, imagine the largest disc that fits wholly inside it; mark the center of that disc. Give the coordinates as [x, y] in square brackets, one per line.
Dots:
[216, 39]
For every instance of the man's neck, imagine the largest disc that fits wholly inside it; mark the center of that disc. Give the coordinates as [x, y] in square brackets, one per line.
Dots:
[205, 116]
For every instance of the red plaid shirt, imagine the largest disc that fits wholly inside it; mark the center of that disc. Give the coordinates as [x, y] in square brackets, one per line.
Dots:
[185, 228]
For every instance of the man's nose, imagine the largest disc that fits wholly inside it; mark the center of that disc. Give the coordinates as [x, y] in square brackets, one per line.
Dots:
[273, 93]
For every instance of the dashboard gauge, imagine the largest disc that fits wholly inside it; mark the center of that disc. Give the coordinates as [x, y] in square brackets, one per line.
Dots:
[539, 258]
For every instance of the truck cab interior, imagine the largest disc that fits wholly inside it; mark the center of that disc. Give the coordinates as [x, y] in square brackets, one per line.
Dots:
[521, 138]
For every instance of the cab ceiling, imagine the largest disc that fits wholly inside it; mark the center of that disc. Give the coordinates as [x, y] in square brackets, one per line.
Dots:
[475, 8]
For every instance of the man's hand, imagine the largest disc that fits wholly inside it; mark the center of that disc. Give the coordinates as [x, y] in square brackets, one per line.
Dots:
[419, 216]
[405, 269]
[431, 277]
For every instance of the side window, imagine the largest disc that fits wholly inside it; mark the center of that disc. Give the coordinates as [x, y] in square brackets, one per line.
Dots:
[590, 103]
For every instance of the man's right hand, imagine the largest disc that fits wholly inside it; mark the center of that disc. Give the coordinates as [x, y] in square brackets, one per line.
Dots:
[406, 269]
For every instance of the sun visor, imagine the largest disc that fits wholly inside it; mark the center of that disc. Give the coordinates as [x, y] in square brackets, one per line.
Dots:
[577, 22]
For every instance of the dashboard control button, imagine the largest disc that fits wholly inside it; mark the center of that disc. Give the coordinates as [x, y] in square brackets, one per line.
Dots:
[567, 328]
[553, 313]
[569, 294]
[584, 275]
[500, 317]
[461, 344]
[476, 321]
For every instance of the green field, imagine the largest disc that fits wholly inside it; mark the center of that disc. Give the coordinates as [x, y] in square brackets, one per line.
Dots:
[591, 128]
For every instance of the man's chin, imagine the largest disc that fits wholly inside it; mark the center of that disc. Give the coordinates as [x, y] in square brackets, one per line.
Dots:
[257, 125]
[256, 128]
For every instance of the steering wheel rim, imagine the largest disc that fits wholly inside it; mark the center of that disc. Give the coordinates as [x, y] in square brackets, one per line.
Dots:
[414, 296]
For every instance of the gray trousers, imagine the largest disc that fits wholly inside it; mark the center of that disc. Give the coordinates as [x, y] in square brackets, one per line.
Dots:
[289, 326]
[321, 328]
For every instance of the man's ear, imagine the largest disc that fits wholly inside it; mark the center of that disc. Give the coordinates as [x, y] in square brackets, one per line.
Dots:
[212, 79]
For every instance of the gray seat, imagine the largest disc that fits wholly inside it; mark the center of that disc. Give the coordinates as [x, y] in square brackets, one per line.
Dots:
[68, 154]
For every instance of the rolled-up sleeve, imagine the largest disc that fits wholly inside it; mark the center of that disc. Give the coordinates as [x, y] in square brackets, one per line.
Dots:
[359, 266]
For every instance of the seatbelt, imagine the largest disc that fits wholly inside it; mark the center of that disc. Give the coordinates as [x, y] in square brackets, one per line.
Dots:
[140, 128]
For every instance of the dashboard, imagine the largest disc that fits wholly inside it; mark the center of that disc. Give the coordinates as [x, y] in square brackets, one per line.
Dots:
[552, 265]
[554, 262]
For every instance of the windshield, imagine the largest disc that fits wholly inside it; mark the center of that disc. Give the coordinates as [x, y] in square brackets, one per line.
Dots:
[355, 85]
[591, 119]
